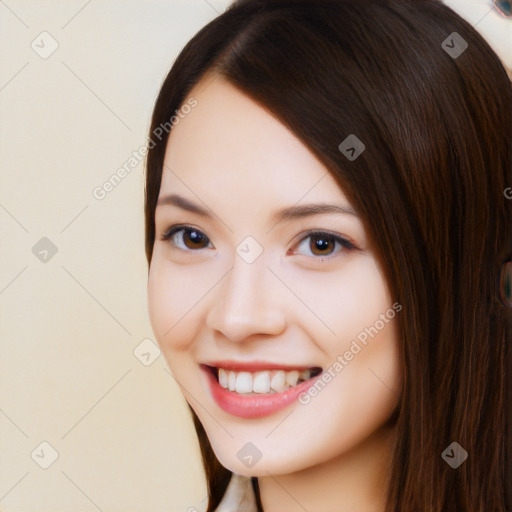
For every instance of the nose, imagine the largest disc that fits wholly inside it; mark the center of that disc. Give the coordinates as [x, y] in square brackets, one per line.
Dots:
[247, 302]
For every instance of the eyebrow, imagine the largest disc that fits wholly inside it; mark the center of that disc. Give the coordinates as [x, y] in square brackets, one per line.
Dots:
[284, 215]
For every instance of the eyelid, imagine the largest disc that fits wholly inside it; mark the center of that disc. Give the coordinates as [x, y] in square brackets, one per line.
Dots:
[344, 242]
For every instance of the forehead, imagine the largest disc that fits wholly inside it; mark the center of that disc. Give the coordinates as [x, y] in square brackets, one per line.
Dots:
[228, 144]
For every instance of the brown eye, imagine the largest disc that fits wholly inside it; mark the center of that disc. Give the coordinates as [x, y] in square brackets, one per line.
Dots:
[187, 238]
[321, 243]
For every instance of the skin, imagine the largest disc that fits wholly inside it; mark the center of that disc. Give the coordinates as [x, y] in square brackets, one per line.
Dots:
[206, 303]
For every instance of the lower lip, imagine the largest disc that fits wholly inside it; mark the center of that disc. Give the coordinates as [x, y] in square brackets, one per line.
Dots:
[253, 406]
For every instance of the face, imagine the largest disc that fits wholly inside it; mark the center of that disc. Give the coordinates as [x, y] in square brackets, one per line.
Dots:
[273, 316]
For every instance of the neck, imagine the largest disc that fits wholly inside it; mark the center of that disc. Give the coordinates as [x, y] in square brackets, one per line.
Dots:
[355, 480]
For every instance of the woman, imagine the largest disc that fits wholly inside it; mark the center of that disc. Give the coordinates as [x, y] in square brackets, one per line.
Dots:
[325, 228]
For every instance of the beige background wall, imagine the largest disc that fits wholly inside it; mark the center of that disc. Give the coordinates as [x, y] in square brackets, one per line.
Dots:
[71, 321]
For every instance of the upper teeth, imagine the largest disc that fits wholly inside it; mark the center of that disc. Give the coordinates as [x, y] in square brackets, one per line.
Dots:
[268, 381]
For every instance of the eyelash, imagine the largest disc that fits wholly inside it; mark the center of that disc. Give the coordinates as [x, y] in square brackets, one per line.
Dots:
[344, 243]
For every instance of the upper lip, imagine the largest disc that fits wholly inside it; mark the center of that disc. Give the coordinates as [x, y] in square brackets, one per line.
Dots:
[254, 366]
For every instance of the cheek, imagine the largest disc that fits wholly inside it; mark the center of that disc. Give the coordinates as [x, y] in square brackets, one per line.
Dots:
[159, 308]
[172, 298]
[366, 386]
[354, 404]
[347, 302]
[366, 376]
[377, 372]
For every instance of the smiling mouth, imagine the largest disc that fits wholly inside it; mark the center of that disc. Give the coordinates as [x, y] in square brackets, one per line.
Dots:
[264, 382]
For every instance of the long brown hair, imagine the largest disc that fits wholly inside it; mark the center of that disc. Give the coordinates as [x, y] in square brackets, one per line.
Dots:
[437, 130]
